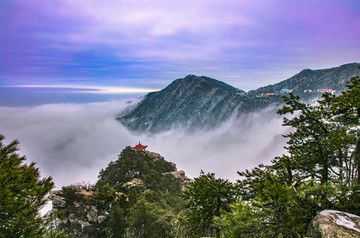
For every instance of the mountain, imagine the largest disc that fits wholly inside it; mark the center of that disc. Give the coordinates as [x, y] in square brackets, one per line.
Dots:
[333, 78]
[308, 84]
[193, 103]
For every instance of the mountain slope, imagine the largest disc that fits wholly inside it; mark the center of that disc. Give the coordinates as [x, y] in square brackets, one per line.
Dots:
[333, 78]
[315, 80]
[194, 103]
[191, 103]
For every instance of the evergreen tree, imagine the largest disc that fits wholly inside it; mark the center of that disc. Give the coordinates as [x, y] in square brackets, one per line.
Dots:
[344, 114]
[205, 198]
[308, 143]
[321, 170]
[22, 194]
[151, 219]
[151, 197]
[325, 143]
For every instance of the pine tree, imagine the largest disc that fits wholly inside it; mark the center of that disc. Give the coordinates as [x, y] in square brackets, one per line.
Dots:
[22, 194]
[321, 170]
[204, 198]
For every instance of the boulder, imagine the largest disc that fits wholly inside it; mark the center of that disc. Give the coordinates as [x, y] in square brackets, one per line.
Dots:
[92, 215]
[58, 202]
[178, 174]
[84, 224]
[330, 223]
[185, 181]
[134, 182]
[85, 193]
[101, 219]
[154, 155]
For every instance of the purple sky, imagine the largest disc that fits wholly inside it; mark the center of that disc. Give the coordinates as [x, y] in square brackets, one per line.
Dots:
[147, 44]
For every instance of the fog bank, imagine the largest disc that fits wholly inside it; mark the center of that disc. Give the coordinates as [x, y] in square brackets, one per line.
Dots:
[73, 142]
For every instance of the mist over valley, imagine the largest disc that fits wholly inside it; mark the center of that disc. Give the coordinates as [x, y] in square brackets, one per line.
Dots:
[72, 142]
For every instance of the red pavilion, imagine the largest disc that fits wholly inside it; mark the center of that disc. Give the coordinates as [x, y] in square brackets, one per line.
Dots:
[139, 147]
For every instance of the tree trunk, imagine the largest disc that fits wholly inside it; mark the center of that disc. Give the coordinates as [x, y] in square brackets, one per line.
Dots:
[356, 158]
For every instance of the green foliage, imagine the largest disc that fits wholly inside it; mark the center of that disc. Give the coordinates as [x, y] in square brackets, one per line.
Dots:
[55, 234]
[71, 195]
[321, 170]
[309, 142]
[133, 164]
[117, 221]
[140, 197]
[241, 222]
[279, 202]
[205, 198]
[325, 143]
[104, 196]
[22, 194]
[150, 219]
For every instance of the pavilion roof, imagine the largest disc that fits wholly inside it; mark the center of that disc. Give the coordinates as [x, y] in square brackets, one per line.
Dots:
[139, 147]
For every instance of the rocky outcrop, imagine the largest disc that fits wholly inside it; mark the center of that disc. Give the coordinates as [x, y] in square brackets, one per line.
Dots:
[180, 175]
[79, 218]
[156, 156]
[58, 202]
[134, 182]
[185, 181]
[330, 223]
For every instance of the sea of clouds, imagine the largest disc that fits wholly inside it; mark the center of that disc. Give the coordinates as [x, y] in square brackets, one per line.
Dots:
[73, 142]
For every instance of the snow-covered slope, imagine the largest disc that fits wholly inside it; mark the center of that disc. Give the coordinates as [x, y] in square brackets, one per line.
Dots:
[332, 78]
[189, 103]
[194, 103]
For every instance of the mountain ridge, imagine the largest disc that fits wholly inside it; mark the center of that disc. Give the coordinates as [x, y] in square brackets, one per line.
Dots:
[199, 102]
[334, 77]
[204, 95]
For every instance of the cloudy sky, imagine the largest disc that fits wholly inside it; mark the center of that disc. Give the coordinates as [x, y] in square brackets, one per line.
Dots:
[143, 45]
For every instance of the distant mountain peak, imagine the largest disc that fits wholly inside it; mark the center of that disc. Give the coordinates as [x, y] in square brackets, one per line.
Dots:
[193, 80]
[190, 103]
[199, 102]
[334, 78]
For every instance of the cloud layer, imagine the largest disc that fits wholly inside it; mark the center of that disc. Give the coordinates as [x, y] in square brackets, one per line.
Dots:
[149, 43]
[73, 142]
